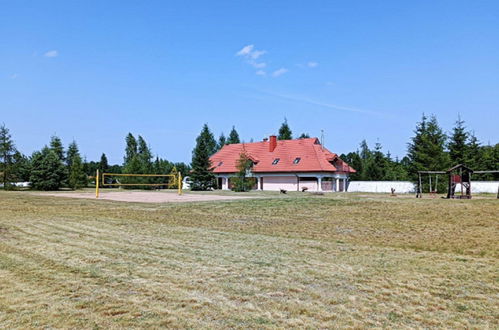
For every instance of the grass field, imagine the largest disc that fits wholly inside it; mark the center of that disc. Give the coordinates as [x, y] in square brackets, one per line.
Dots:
[340, 260]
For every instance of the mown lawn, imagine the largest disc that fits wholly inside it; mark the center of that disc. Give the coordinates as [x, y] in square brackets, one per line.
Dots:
[340, 260]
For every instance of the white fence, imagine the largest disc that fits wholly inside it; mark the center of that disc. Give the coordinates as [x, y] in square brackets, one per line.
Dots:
[381, 186]
[402, 187]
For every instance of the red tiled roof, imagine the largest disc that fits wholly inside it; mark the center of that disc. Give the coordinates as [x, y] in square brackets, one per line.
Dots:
[313, 157]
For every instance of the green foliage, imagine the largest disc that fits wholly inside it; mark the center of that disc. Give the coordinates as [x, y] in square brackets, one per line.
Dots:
[130, 149]
[457, 144]
[233, 137]
[201, 175]
[242, 182]
[57, 147]
[21, 167]
[77, 177]
[47, 170]
[103, 164]
[284, 131]
[221, 141]
[7, 151]
[304, 136]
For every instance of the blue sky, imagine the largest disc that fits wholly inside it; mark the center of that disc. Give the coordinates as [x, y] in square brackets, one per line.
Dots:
[95, 70]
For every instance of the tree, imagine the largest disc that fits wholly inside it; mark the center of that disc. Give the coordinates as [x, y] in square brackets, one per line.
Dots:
[77, 177]
[145, 156]
[304, 136]
[376, 165]
[233, 137]
[221, 141]
[21, 167]
[242, 182]
[284, 131]
[47, 170]
[130, 149]
[426, 149]
[474, 153]
[57, 147]
[201, 175]
[103, 164]
[71, 153]
[458, 143]
[7, 151]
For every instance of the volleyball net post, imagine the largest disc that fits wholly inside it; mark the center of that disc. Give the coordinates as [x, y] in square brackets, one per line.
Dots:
[173, 179]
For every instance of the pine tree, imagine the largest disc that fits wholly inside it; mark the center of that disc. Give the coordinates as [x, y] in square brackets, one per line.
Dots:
[57, 147]
[221, 141]
[376, 165]
[103, 164]
[284, 131]
[77, 176]
[7, 151]
[426, 149]
[131, 148]
[21, 167]
[47, 170]
[304, 136]
[145, 156]
[201, 175]
[458, 143]
[71, 153]
[474, 153]
[233, 137]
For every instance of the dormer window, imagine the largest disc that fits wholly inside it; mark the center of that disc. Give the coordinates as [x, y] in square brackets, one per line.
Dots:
[297, 160]
[276, 161]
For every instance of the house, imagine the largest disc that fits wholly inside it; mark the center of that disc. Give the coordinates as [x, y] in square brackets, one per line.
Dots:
[291, 165]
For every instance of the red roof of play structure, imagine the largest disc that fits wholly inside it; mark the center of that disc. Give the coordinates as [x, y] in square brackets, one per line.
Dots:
[312, 157]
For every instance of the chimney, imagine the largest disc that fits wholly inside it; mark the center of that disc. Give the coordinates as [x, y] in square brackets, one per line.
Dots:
[272, 143]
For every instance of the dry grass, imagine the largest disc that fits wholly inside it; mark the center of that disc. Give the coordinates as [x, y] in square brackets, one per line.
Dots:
[330, 261]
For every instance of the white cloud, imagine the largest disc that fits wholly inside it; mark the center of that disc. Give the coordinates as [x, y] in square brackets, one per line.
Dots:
[257, 53]
[250, 54]
[51, 53]
[279, 72]
[261, 73]
[312, 64]
[258, 65]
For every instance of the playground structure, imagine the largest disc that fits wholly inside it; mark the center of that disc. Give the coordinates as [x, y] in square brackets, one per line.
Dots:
[457, 175]
[175, 180]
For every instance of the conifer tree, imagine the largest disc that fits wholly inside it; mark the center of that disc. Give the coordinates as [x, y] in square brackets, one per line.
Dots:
[304, 136]
[426, 149]
[376, 165]
[103, 163]
[57, 147]
[145, 156]
[20, 167]
[458, 143]
[284, 131]
[7, 151]
[221, 141]
[71, 153]
[233, 137]
[201, 175]
[77, 176]
[130, 149]
[47, 170]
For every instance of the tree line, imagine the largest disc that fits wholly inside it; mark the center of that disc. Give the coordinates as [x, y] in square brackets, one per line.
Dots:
[429, 149]
[53, 167]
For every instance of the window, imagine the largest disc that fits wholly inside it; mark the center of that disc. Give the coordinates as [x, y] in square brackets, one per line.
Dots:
[276, 161]
[297, 160]
[220, 164]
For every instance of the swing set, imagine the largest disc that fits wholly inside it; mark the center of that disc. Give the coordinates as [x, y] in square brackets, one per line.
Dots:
[432, 185]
